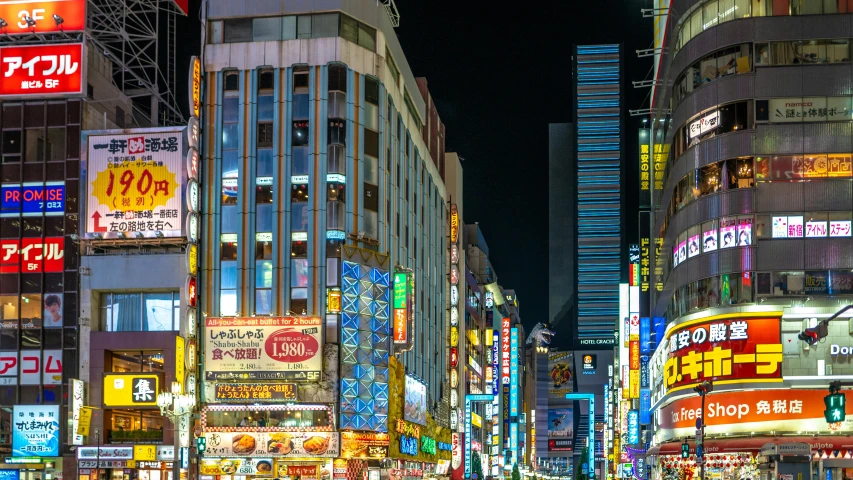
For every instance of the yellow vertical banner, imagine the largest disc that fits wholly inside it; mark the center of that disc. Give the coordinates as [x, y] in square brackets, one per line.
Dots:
[180, 360]
[85, 421]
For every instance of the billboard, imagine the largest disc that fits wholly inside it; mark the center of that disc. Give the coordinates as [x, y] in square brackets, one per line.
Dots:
[263, 348]
[42, 70]
[780, 410]
[274, 444]
[134, 183]
[560, 372]
[32, 255]
[560, 421]
[733, 347]
[32, 199]
[35, 431]
[36, 367]
[41, 12]
[416, 401]
[513, 374]
[138, 390]
[402, 308]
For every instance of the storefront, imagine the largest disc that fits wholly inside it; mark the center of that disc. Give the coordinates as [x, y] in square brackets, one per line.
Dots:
[235, 468]
[30, 468]
[126, 462]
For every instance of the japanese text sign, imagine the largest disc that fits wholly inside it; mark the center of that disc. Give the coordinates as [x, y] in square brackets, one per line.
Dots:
[32, 199]
[274, 444]
[513, 372]
[505, 367]
[72, 13]
[251, 392]
[32, 255]
[729, 347]
[35, 431]
[273, 348]
[134, 184]
[401, 308]
[40, 70]
[138, 390]
[35, 367]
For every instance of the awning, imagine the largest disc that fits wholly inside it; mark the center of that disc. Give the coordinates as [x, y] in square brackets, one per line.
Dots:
[754, 444]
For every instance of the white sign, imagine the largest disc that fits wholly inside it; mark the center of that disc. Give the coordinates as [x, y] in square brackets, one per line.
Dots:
[456, 451]
[705, 124]
[274, 444]
[788, 227]
[839, 228]
[109, 453]
[76, 400]
[839, 350]
[815, 229]
[35, 367]
[264, 348]
[809, 109]
[35, 431]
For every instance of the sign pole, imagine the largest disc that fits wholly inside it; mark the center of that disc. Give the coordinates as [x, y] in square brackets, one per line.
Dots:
[702, 465]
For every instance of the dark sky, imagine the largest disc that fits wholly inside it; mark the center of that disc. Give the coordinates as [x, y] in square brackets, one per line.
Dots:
[500, 72]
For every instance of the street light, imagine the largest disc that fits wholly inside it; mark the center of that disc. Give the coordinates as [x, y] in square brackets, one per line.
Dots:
[174, 404]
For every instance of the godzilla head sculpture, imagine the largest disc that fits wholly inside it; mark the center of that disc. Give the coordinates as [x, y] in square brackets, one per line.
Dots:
[542, 334]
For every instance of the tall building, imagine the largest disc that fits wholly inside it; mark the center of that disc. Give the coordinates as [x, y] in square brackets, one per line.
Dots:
[752, 218]
[599, 229]
[325, 216]
[562, 236]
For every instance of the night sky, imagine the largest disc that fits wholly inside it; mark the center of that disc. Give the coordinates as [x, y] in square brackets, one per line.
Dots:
[499, 75]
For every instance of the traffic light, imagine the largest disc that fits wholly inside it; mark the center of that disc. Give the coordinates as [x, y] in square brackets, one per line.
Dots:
[685, 450]
[704, 388]
[835, 405]
[814, 334]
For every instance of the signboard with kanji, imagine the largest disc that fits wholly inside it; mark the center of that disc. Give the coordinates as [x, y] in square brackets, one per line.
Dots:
[42, 70]
[251, 392]
[134, 184]
[35, 431]
[263, 348]
[138, 390]
[742, 347]
[32, 255]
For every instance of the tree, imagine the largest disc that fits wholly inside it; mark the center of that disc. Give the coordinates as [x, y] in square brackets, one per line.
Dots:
[580, 473]
[476, 468]
[515, 473]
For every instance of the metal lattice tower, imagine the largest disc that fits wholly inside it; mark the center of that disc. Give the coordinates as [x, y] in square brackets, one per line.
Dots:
[128, 32]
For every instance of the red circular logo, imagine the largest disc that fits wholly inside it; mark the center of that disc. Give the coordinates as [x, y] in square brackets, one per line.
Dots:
[287, 345]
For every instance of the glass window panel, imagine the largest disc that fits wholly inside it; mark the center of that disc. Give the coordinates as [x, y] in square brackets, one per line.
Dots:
[335, 215]
[299, 135]
[298, 249]
[263, 302]
[263, 248]
[263, 217]
[371, 224]
[124, 312]
[237, 30]
[229, 192]
[710, 236]
[371, 169]
[158, 312]
[333, 274]
[349, 29]
[300, 106]
[265, 108]
[266, 29]
[742, 8]
[367, 37]
[265, 162]
[229, 136]
[298, 293]
[838, 51]
[55, 144]
[300, 161]
[215, 32]
[230, 112]
[695, 23]
[227, 302]
[288, 28]
[325, 25]
[35, 148]
[830, 6]
[299, 272]
[299, 216]
[303, 26]
[763, 226]
[709, 15]
[336, 159]
[263, 274]
[228, 274]
[727, 10]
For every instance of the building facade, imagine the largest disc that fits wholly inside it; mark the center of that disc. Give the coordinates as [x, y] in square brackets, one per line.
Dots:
[753, 218]
[326, 213]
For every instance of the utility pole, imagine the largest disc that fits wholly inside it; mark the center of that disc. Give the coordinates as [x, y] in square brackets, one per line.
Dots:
[702, 389]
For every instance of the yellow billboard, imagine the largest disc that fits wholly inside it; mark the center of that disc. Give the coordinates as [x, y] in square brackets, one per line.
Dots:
[136, 390]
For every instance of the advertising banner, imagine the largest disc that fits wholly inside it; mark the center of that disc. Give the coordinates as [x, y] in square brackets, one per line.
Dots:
[32, 255]
[134, 183]
[72, 13]
[32, 199]
[277, 444]
[780, 410]
[263, 348]
[262, 467]
[560, 422]
[560, 372]
[75, 404]
[364, 445]
[42, 70]
[254, 392]
[513, 373]
[35, 431]
[809, 109]
[134, 390]
[824, 282]
[416, 398]
[733, 347]
[36, 367]
[645, 168]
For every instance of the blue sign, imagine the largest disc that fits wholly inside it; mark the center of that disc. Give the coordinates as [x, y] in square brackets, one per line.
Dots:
[409, 445]
[513, 373]
[645, 336]
[633, 427]
[513, 442]
[32, 199]
[496, 341]
[439, 445]
[35, 431]
[659, 325]
[699, 451]
[644, 371]
[13, 474]
[645, 406]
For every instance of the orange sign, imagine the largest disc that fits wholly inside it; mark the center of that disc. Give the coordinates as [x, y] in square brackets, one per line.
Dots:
[71, 13]
[454, 224]
[400, 321]
[790, 410]
[195, 86]
[42, 70]
[728, 348]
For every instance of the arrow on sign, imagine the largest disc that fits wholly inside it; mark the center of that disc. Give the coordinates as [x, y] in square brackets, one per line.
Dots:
[97, 218]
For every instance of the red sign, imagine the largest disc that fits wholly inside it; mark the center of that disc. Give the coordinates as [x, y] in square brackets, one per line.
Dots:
[728, 347]
[505, 327]
[15, 12]
[291, 346]
[302, 470]
[192, 293]
[183, 6]
[634, 350]
[454, 357]
[32, 255]
[400, 322]
[42, 70]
